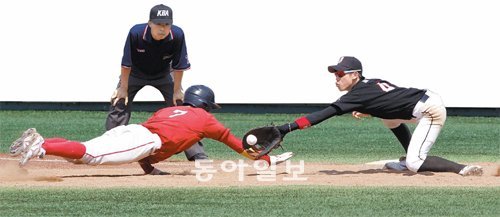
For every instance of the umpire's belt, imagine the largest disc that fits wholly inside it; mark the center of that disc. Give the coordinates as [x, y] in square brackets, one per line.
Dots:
[424, 98]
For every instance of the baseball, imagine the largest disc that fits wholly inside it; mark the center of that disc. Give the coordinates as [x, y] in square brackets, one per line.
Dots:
[251, 139]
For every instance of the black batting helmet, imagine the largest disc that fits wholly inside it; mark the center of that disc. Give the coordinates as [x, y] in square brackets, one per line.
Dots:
[200, 96]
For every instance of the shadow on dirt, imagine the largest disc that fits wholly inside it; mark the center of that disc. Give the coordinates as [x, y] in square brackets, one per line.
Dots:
[373, 171]
[98, 175]
[183, 173]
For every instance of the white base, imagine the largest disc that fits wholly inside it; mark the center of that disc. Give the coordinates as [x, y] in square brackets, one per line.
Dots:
[382, 162]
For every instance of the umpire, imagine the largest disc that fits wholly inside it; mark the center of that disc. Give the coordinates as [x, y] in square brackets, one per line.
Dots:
[154, 54]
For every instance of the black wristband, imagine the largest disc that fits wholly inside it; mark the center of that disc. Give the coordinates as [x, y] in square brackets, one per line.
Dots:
[288, 127]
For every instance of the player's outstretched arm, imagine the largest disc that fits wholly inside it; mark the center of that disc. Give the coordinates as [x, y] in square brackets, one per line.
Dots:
[308, 120]
[252, 154]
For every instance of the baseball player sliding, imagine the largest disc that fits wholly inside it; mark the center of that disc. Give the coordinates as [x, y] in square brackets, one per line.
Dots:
[395, 106]
[169, 131]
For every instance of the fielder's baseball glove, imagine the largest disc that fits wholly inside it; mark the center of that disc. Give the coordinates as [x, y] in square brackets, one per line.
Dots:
[268, 138]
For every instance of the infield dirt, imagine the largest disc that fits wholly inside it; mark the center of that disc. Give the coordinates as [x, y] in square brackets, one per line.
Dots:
[56, 172]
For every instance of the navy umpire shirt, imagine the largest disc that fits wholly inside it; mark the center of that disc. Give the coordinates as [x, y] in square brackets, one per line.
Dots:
[151, 59]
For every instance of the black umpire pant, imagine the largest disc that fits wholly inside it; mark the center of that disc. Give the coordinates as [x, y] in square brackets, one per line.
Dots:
[120, 113]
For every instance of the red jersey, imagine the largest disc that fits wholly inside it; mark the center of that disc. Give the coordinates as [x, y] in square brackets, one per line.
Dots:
[182, 126]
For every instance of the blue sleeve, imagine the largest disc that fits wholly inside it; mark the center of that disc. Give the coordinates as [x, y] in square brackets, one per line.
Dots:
[127, 56]
[180, 60]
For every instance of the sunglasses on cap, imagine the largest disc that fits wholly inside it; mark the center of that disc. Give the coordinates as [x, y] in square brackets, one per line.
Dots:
[343, 73]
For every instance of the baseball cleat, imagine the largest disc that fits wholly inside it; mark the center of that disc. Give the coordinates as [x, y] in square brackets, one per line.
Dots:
[17, 146]
[396, 166]
[32, 147]
[471, 170]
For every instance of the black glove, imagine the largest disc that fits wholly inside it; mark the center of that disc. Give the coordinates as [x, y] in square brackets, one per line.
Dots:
[268, 138]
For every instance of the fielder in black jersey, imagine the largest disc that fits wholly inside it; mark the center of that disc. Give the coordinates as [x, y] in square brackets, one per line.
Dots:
[395, 106]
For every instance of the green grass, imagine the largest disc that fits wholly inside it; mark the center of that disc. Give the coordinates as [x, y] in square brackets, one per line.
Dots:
[257, 201]
[340, 139]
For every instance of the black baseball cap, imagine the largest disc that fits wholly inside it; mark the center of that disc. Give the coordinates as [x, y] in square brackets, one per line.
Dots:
[347, 64]
[161, 14]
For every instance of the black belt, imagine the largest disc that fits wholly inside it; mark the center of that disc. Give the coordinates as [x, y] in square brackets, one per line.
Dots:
[424, 98]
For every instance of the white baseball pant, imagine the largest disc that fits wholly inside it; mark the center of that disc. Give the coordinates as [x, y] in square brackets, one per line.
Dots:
[121, 145]
[430, 116]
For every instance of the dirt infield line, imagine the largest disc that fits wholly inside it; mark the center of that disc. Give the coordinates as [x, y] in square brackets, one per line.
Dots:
[56, 172]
